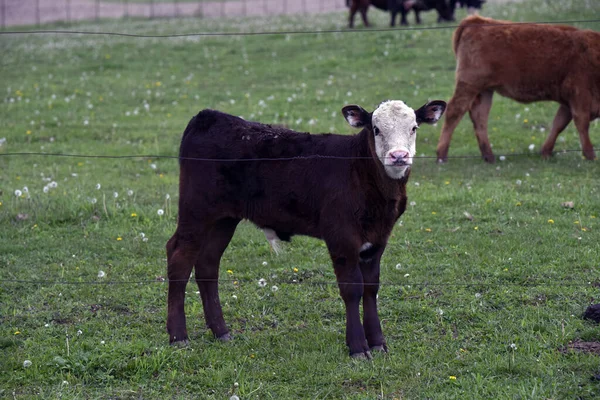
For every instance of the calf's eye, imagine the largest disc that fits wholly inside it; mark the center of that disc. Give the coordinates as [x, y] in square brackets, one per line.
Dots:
[414, 130]
[376, 130]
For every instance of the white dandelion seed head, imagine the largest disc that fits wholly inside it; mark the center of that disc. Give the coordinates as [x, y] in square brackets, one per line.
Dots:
[234, 397]
[440, 311]
[262, 282]
[144, 239]
[398, 266]
[65, 383]
[502, 158]
[101, 274]
[53, 185]
[98, 186]
[18, 193]
[102, 342]
[153, 166]
[274, 288]
[79, 332]
[93, 200]
[27, 364]
[160, 212]
[413, 203]
[264, 263]
[130, 192]
[142, 235]
[531, 147]
[477, 295]
[518, 182]
[25, 189]
[513, 346]
[234, 297]
[167, 196]
[406, 275]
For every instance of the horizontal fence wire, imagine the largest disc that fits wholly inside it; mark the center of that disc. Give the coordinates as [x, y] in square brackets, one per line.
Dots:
[309, 157]
[524, 283]
[299, 32]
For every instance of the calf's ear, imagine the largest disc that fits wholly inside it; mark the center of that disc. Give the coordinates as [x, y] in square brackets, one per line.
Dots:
[431, 112]
[356, 116]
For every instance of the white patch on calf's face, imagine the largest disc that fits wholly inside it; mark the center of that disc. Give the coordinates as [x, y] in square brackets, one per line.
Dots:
[394, 126]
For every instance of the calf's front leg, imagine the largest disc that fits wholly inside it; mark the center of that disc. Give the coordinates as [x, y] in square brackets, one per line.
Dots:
[370, 272]
[350, 282]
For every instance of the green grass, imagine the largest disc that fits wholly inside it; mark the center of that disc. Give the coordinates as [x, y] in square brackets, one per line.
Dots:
[457, 292]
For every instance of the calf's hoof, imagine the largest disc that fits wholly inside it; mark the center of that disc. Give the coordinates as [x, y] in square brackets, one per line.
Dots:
[589, 155]
[365, 355]
[180, 343]
[225, 337]
[489, 158]
[381, 348]
[546, 154]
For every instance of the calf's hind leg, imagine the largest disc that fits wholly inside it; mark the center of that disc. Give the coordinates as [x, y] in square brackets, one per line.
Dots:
[207, 275]
[561, 120]
[479, 113]
[461, 101]
[181, 254]
[582, 123]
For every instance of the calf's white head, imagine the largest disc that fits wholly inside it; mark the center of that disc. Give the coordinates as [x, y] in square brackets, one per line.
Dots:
[394, 128]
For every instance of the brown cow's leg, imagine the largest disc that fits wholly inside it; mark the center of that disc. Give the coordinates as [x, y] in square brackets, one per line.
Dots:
[353, 9]
[582, 122]
[479, 113]
[207, 275]
[372, 326]
[180, 259]
[457, 107]
[363, 14]
[561, 120]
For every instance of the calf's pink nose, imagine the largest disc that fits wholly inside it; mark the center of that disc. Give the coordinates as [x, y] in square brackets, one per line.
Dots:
[399, 155]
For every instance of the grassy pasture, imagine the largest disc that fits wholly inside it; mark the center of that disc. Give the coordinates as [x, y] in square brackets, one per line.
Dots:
[471, 307]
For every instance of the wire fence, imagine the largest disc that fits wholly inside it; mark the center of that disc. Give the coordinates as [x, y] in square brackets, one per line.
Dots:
[295, 32]
[485, 281]
[249, 159]
[37, 12]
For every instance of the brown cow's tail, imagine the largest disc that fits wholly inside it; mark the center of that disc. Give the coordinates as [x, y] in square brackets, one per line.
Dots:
[469, 22]
[456, 38]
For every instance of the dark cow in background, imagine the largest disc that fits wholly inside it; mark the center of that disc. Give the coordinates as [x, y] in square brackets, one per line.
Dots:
[526, 62]
[347, 190]
[445, 12]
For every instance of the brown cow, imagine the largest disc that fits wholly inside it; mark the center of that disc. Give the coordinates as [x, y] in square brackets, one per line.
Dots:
[348, 190]
[525, 62]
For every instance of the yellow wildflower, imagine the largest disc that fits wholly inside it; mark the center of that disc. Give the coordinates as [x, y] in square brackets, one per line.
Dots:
[119, 238]
[452, 377]
[550, 221]
[133, 214]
